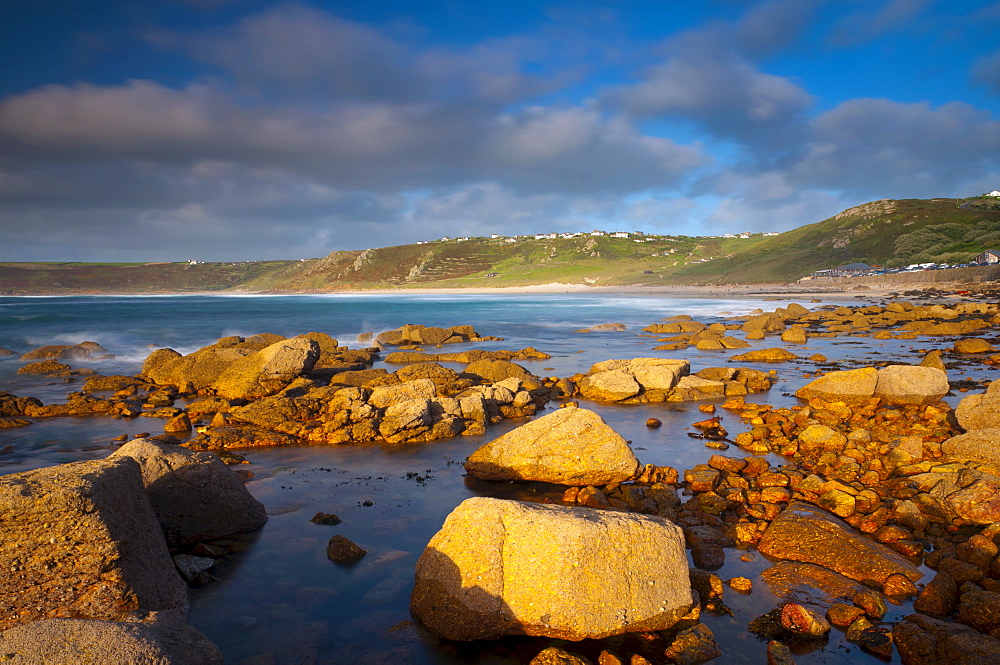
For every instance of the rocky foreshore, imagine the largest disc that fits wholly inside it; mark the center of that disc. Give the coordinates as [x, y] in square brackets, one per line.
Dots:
[879, 481]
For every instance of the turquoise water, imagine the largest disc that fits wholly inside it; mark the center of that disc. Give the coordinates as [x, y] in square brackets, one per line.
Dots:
[281, 600]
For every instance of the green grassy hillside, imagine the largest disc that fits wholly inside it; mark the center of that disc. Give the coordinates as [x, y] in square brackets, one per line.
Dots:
[602, 261]
[18, 278]
[885, 233]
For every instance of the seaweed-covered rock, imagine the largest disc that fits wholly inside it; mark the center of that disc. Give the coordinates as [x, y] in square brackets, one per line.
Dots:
[557, 656]
[922, 640]
[772, 355]
[973, 345]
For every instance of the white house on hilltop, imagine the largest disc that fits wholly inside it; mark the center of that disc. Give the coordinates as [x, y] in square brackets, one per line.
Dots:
[994, 193]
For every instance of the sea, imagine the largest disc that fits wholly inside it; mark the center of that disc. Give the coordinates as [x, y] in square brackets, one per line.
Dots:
[278, 599]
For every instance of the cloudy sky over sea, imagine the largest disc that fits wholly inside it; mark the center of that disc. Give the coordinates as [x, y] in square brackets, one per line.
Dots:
[251, 129]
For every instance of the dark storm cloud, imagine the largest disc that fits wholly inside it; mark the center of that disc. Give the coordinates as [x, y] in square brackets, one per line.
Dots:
[355, 145]
[300, 53]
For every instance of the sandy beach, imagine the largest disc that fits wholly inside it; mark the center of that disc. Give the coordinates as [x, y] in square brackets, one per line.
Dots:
[803, 292]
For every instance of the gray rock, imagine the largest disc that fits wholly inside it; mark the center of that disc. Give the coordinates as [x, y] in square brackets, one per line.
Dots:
[196, 497]
[911, 384]
[190, 566]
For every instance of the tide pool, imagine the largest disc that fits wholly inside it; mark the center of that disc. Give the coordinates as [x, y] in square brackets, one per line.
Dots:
[281, 600]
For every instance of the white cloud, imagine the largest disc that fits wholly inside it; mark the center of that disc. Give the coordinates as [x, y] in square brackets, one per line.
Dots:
[706, 79]
[804, 206]
[878, 145]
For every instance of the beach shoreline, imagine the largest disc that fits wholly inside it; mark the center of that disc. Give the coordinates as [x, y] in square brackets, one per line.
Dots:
[777, 291]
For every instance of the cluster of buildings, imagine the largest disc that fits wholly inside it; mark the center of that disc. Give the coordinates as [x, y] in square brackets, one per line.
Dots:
[745, 234]
[545, 236]
[637, 236]
[987, 258]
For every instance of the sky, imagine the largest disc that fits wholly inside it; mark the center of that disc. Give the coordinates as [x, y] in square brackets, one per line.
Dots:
[227, 130]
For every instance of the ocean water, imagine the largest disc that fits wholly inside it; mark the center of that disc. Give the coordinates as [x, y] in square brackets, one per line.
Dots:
[280, 600]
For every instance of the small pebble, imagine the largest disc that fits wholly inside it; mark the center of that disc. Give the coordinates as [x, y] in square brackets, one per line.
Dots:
[741, 584]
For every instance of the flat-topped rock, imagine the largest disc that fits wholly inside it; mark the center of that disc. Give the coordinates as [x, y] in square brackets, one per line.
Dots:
[803, 532]
[610, 386]
[911, 384]
[849, 385]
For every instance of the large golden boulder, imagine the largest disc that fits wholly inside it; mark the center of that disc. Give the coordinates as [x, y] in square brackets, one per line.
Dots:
[570, 446]
[500, 567]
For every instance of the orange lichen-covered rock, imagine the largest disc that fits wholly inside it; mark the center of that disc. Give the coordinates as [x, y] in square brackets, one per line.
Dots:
[81, 540]
[809, 534]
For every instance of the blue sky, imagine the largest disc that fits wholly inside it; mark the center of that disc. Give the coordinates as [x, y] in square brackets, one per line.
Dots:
[252, 129]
